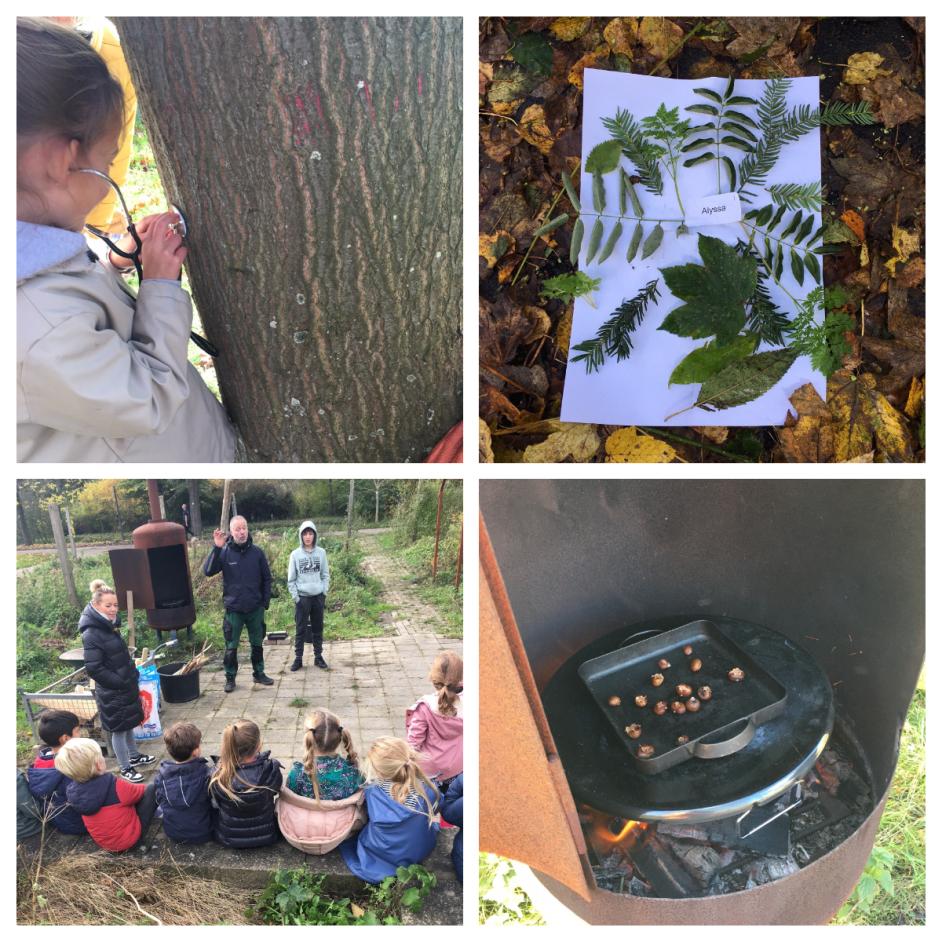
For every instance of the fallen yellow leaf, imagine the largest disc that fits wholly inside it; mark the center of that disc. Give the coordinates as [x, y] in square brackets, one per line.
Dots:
[563, 333]
[863, 417]
[574, 440]
[659, 36]
[916, 397]
[589, 60]
[905, 243]
[568, 28]
[540, 320]
[485, 452]
[630, 445]
[534, 129]
[864, 67]
[621, 34]
[494, 247]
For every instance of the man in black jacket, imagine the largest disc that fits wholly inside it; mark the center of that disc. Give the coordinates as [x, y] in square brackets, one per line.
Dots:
[246, 581]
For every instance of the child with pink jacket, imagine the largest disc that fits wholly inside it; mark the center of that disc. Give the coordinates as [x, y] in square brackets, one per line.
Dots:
[435, 723]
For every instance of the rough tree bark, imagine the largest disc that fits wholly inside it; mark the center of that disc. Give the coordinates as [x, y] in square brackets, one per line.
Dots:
[196, 513]
[319, 164]
[25, 530]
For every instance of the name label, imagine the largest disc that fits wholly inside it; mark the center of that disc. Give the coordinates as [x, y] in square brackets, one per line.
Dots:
[714, 210]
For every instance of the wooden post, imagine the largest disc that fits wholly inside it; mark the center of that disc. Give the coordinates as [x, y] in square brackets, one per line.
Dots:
[119, 525]
[226, 499]
[64, 562]
[376, 485]
[460, 553]
[71, 531]
[132, 641]
[196, 516]
[438, 529]
[163, 507]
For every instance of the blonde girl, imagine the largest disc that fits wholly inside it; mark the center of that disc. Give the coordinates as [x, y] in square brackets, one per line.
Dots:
[402, 805]
[324, 773]
[435, 723]
[243, 788]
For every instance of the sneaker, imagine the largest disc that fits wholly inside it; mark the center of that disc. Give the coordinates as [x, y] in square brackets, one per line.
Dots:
[230, 685]
[141, 759]
[297, 665]
[130, 775]
[262, 679]
[321, 663]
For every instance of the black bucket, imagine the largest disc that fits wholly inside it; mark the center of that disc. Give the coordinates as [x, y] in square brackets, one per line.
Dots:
[179, 689]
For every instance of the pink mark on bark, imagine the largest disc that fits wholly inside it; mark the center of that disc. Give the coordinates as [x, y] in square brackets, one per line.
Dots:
[419, 85]
[320, 111]
[369, 102]
[302, 113]
[396, 103]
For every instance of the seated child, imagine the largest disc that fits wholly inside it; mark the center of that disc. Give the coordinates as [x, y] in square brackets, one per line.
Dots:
[321, 804]
[453, 812]
[401, 805]
[46, 783]
[183, 787]
[115, 811]
[435, 724]
[243, 788]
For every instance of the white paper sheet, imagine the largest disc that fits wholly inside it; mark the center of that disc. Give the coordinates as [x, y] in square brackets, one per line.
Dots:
[635, 391]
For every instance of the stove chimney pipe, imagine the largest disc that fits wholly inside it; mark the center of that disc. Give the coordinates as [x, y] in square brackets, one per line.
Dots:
[153, 498]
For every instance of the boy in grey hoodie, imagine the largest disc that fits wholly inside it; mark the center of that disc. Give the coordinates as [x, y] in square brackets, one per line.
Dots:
[308, 582]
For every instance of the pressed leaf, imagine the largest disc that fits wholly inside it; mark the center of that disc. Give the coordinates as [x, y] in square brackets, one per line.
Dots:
[731, 170]
[652, 242]
[741, 100]
[811, 263]
[576, 244]
[609, 246]
[571, 192]
[779, 262]
[598, 192]
[595, 238]
[764, 215]
[805, 229]
[729, 88]
[798, 269]
[793, 225]
[716, 292]
[699, 142]
[702, 158]
[739, 116]
[731, 141]
[552, 224]
[703, 109]
[604, 157]
[777, 218]
[622, 193]
[745, 380]
[636, 237]
[632, 194]
[709, 93]
[703, 362]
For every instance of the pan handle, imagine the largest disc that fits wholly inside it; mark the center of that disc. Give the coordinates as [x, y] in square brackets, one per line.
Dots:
[641, 635]
[716, 750]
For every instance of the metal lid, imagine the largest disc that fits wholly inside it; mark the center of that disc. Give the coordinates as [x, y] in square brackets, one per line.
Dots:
[603, 775]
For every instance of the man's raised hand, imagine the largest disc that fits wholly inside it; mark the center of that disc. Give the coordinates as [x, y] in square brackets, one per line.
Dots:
[219, 538]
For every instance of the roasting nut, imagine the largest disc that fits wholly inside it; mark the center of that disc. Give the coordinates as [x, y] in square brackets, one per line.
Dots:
[704, 693]
[688, 650]
[641, 700]
[736, 675]
[677, 707]
[634, 731]
[660, 708]
[696, 665]
[645, 751]
[657, 679]
[683, 690]
[663, 663]
[682, 740]
[693, 704]
[614, 700]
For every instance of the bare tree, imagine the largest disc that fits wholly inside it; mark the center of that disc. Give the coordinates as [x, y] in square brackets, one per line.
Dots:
[65, 563]
[196, 514]
[318, 161]
[350, 513]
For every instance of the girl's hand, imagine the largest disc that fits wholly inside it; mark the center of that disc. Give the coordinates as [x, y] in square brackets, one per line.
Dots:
[127, 244]
[162, 251]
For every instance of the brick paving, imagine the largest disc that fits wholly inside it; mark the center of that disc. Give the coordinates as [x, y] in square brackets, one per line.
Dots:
[370, 683]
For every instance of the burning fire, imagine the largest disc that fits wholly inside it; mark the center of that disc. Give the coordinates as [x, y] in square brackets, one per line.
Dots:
[606, 832]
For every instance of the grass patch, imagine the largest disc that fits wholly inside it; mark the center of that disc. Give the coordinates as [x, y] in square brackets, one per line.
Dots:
[47, 624]
[299, 703]
[25, 560]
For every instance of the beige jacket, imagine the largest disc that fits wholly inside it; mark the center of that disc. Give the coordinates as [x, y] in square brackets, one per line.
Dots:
[104, 376]
[318, 829]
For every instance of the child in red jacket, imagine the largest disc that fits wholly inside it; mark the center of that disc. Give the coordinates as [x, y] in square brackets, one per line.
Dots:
[115, 811]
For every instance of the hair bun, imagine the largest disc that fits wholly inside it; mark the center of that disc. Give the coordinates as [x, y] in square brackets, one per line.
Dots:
[97, 584]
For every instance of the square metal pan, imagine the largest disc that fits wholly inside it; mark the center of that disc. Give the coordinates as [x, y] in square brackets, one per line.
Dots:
[724, 725]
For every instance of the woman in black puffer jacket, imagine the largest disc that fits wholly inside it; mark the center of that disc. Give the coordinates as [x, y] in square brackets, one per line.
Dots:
[244, 787]
[108, 662]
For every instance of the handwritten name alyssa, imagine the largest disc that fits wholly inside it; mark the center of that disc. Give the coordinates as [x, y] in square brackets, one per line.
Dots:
[710, 210]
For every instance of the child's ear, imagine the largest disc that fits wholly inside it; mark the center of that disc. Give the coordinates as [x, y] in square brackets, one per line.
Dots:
[61, 158]
[64, 738]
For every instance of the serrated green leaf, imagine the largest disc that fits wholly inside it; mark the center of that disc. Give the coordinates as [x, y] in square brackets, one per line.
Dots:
[576, 244]
[798, 269]
[595, 238]
[652, 242]
[716, 292]
[598, 192]
[745, 380]
[534, 53]
[700, 159]
[709, 93]
[703, 362]
[609, 246]
[636, 237]
[604, 157]
[703, 109]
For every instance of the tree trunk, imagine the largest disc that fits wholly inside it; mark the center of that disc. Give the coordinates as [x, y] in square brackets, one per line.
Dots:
[196, 516]
[70, 531]
[226, 499]
[349, 514]
[25, 531]
[65, 564]
[319, 164]
[376, 491]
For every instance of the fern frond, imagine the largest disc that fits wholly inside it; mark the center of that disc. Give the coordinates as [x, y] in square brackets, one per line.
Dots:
[643, 154]
[836, 113]
[771, 108]
[825, 342]
[614, 336]
[763, 318]
[797, 195]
